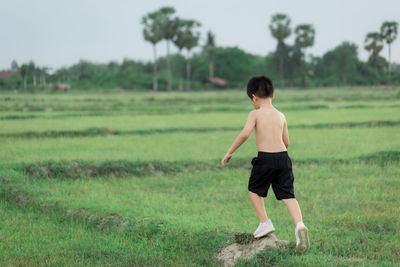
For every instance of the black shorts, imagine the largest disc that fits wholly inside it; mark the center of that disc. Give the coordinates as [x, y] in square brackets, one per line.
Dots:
[272, 168]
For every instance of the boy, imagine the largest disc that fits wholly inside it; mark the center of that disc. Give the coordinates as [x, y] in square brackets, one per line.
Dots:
[272, 164]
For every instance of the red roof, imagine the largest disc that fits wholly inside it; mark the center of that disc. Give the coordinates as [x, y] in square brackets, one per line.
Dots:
[5, 74]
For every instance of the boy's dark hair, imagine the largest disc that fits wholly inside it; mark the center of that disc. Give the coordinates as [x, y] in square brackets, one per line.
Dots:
[261, 86]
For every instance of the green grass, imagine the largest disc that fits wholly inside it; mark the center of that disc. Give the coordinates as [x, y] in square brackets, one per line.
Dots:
[175, 197]
[184, 203]
[30, 238]
[177, 206]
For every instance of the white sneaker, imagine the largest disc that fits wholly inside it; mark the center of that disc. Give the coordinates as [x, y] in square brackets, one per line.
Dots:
[302, 241]
[264, 229]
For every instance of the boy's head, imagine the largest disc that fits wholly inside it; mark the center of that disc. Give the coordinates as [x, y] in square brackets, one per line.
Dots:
[261, 86]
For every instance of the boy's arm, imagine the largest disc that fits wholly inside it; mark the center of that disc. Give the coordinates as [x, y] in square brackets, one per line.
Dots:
[245, 133]
[242, 137]
[285, 133]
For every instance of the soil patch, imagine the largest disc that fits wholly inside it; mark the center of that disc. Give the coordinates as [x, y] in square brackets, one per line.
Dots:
[246, 246]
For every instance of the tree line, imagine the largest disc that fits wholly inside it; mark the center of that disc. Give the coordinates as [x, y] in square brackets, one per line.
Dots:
[288, 65]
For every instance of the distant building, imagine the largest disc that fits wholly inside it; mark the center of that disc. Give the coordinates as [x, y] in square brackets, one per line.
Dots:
[5, 74]
[63, 87]
[216, 81]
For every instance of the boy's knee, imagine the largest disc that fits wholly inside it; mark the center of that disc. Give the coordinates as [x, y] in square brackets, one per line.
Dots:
[254, 194]
[288, 199]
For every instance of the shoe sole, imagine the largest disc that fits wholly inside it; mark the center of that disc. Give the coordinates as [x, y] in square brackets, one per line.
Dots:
[264, 233]
[304, 242]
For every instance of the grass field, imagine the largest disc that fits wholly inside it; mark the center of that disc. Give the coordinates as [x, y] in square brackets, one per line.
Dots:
[134, 178]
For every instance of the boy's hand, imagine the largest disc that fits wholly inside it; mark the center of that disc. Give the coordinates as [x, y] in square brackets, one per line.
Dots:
[226, 158]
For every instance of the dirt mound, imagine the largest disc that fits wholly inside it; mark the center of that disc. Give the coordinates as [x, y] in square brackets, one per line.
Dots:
[246, 246]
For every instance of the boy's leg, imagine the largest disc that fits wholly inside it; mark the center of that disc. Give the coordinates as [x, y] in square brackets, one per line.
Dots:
[294, 209]
[301, 231]
[258, 204]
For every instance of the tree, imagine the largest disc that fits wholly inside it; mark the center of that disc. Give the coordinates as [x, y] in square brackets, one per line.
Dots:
[293, 60]
[231, 64]
[43, 74]
[210, 48]
[14, 65]
[29, 70]
[24, 73]
[305, 34]
[32, 71]
[152, 34]
[389, 34]
[344, 60]
[180, 40]
[374, 44]
[280, 29]
[168, 30]
[192, 37]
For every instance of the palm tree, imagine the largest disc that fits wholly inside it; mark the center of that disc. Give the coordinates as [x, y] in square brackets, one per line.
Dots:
[192, 40]
[43, 74]
[280, 30]
[389, 34]
[14, 65]
[305, 34]
[152, 34]
[179, 40]
[168, 31]
[210, 46]
[374, 44]
[31, 70]
[24, 72]
[293, 62]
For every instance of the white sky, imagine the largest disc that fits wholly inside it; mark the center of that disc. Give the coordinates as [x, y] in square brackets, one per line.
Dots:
[57, 33]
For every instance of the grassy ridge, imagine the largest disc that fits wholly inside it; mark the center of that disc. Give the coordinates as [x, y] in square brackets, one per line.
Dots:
[51, 114]
[327, 94]
[196, 121]
[106, 131]
[124, 168]
[310, 143]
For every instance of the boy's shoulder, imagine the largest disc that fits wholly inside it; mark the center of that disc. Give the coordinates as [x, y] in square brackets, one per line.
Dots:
[280, 113]
[257, 111]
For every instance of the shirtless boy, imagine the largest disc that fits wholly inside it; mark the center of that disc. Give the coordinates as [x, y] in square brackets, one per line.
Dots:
[272, 164]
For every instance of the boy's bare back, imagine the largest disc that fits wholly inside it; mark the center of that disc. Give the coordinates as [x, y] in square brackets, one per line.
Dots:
[268, 123]
[270, 130]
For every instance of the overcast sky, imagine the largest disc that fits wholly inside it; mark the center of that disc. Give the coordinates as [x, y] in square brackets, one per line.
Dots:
[57, 33]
